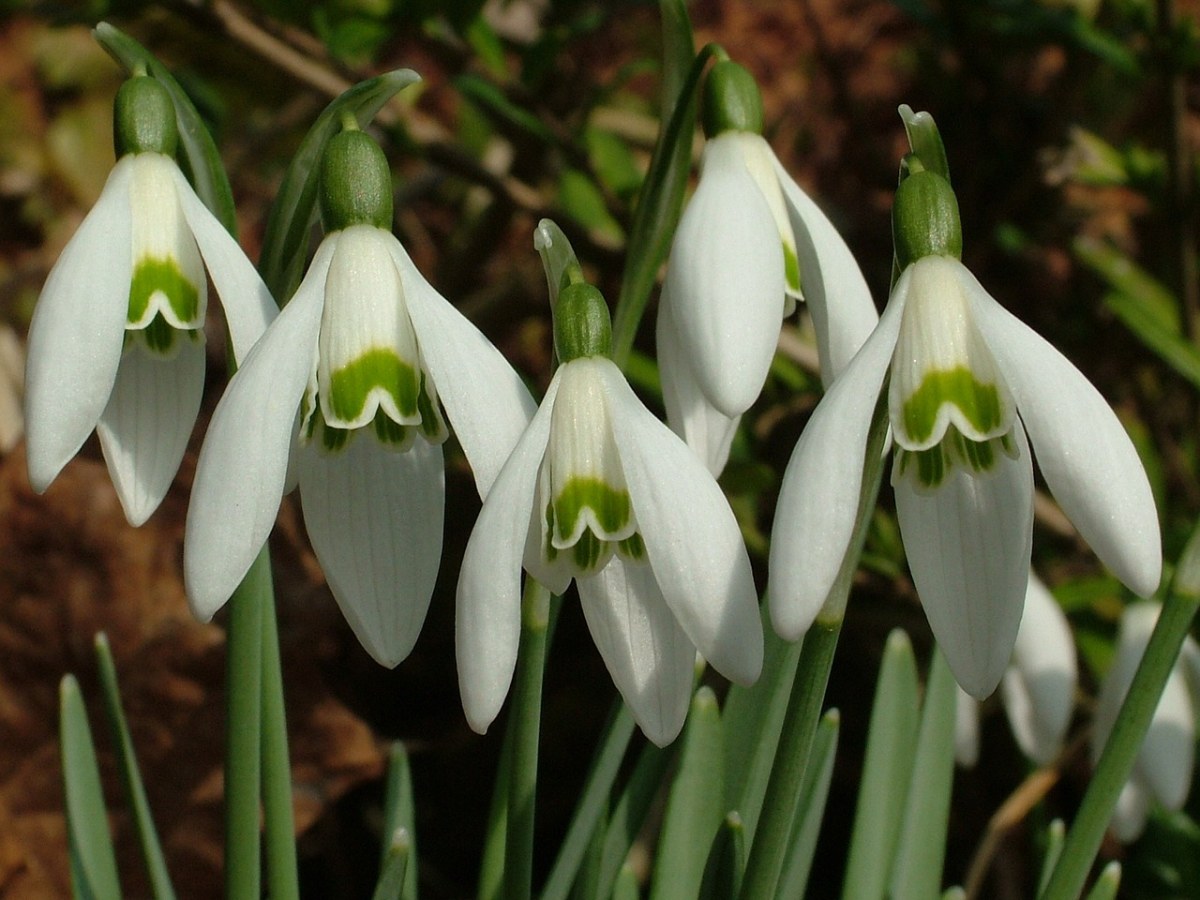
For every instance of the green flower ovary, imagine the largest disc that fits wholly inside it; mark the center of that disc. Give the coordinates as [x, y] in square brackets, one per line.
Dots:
[979, 403]
[610, 509]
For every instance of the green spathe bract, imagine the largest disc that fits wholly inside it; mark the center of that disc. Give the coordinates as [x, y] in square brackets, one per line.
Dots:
[144, 118]
[732, 101]
[356, 184]
[979, 403]
[925, 219]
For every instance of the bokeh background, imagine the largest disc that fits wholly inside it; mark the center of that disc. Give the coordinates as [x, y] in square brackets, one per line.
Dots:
[1071, 129]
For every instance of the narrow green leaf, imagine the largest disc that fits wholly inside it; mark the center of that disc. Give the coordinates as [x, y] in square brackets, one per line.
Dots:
[285, 243]
[814, 791]
[131, 778]
[753, 719]
[492, 100]
[87, 820]
[630, 812]
[491, 868]
[917, 873]
[588, 876]
[726, 861]
[887, 767]
[626, 887]
[283, 874]
[679, 46]
[399, 815]
[1107, 884]
[393, 876]
[1169, 346]
[1054, 844]
[695, 804]
[589, 821]
[200, 158]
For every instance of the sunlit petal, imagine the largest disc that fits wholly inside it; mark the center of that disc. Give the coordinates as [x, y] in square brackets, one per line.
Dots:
[488, 618]
[819, 497]
[76, 335]
[144, 430]
[726, 272]
[374, 516]
[835, 291]
[648, 655]
[485, 399]
[244, 461]
[1082, 450]
[692, 539]
[968, 545]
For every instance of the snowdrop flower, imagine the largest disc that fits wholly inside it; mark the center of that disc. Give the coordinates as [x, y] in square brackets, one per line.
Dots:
[599, 491]
[1038, 687]
[965, 382]
[1163, 770]
[350, 382]
[750, 244]
[117, 343]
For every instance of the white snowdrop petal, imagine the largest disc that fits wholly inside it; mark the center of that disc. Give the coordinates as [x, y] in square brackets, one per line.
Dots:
[77, 331]
[968, 544]
[375, 516]
[484, 397]
[144, 430]
[648, 655]
[244, 460]
[726, 270]
[248, 306]
[488, 608]
[1082, 450]
[691, 536]
[819, 496]
[835, 291]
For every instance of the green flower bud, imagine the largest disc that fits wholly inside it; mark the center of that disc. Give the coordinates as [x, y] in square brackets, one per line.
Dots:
[144, 118]
[925, 218]
[581, 323]
[732, 101]
[356, 184]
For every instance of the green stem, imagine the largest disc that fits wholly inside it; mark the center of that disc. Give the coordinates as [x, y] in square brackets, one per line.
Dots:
[770, 846]
[1120, 753]
[243, 698]
[526, 724]
[283, 880]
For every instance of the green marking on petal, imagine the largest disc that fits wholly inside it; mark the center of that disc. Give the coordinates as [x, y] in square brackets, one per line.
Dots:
[633, 547]
[931, 467]
[433, 426]
[350, 385]
[588, 551]
[791, 270]
[979, 403]
[610, 507]
[164, 276]
[334, 439]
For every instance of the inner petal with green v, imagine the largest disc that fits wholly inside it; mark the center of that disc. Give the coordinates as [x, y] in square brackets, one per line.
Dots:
[378, 380]
[588, 504]
[160, 289]
[954, 396]
[929, 468]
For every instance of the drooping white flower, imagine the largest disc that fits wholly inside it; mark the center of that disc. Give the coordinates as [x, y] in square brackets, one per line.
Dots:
[349, 382]
[1162, 772]
[599, 491]
[116, 343]
[1038, 687]
[966, 380]
[750, 244]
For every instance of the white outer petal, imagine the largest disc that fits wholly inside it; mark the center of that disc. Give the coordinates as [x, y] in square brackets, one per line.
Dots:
[968, 543]
[1039, 686]
[488, 608]
[966, 729]
[77, 332]
[726, 269]
[1165, 762]
[484, 397]
[649, 657]
[248, 305]
[703, 427]
[692, 538]
[835, 291]
[1082, 449]
[818, 500]
[244, 460]
[375, 518]
[144, 430]
[1132, 809]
